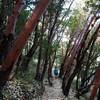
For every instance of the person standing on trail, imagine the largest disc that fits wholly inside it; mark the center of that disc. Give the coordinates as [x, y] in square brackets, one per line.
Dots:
[55, 72]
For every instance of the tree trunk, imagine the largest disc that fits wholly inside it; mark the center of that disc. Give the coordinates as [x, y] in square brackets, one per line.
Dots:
[51, 62]
[45, 65]
[70, 80]
[93, 94]
[98, 97]
[74, 52]
[3, 16]
[37, 76]
[26, 60]
[49, 74]
[8, 35]
[43, 29]
[62, 65]
[96, 85]
[14, 53]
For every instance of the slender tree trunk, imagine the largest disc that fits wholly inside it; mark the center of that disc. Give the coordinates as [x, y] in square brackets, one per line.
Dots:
[26, 60]
[98, 97]
[70, 80]
[45, 65]
[3, 20]
[93, 38]
[62, 65]
[51, 35]
[93, 94]
[37, 76]
[51, 62]
[74, 52]
[3, 10]
[96, 85]
[49, 74]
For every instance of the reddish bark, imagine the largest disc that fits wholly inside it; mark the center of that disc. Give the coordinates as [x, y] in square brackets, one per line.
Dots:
[13, 18]
[74, 52]
[24, 35]
[77, 45]
[8, 35]
[96, 85]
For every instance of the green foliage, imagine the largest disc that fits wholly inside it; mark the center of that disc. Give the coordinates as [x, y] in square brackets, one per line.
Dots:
[10, 6]
[22, 20]
[73, 22]
[96, 48]
[93, 4]
[55, 45]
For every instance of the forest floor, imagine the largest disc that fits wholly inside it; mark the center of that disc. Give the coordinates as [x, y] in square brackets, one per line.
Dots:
[53, 92]
[17, 91]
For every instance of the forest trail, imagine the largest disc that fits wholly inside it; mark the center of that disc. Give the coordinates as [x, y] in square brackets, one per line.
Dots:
[54, 92]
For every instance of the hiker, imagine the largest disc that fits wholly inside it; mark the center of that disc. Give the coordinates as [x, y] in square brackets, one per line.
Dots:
[55, 72]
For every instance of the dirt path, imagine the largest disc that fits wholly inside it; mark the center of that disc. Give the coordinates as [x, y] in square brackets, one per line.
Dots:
[54, 92]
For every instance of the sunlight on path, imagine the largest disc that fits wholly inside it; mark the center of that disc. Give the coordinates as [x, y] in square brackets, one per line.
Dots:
[54, 92]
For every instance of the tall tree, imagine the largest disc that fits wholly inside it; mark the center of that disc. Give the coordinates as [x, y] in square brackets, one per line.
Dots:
[20, 42]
